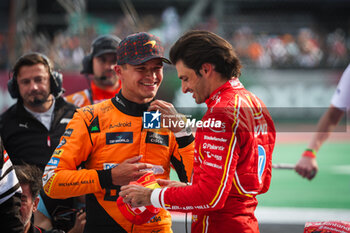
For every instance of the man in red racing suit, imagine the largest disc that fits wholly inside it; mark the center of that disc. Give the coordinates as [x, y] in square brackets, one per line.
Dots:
[233, 148]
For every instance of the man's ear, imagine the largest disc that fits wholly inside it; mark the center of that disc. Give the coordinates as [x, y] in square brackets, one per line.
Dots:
[118, 70]
[206, 69]
[36, 202]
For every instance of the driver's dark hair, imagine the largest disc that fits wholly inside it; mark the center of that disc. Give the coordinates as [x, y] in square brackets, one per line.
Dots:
[197, 47]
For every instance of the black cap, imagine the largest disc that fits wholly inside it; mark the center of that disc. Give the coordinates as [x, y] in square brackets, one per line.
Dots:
[104, 44]
[139, 48]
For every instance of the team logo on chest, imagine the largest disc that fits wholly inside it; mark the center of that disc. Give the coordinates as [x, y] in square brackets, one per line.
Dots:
[159, 139]
[119, 137]
[94, 127]
[120, 124]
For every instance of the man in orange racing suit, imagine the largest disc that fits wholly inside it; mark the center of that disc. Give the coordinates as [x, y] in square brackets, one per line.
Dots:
[232, 162]
[109, 137]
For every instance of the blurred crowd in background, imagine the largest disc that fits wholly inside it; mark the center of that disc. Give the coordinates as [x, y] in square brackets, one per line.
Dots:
[302, 48]
[306, 49]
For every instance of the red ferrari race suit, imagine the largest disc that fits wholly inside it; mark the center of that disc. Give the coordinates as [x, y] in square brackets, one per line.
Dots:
[102, 136]
[93, 95]
[232, 164]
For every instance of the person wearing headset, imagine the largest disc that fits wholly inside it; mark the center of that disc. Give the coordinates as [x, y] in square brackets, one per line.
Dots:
[100, 63]
[32, 127]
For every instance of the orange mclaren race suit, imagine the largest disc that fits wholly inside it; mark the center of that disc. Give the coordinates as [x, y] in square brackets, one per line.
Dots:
[90, 96]
[101, 136]
[232, 164]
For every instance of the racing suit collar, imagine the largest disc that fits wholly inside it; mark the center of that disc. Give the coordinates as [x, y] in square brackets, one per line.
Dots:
[128, 107]
[232, 83]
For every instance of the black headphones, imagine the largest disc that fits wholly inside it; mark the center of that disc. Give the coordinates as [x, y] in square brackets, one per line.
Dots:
[102, 44]
[87, 65]
[56, 78]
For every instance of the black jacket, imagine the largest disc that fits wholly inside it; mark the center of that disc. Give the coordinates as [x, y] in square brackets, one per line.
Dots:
[36, 229]
[10, 215]
[26, 139]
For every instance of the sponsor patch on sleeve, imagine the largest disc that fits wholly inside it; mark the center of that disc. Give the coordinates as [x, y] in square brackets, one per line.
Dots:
[62, 142]
[68, 132]
[49, 172]
[58, 153]
[53, 161]
[107, 166]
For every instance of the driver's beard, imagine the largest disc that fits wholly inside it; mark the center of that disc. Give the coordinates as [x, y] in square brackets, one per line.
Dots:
[104, 81]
